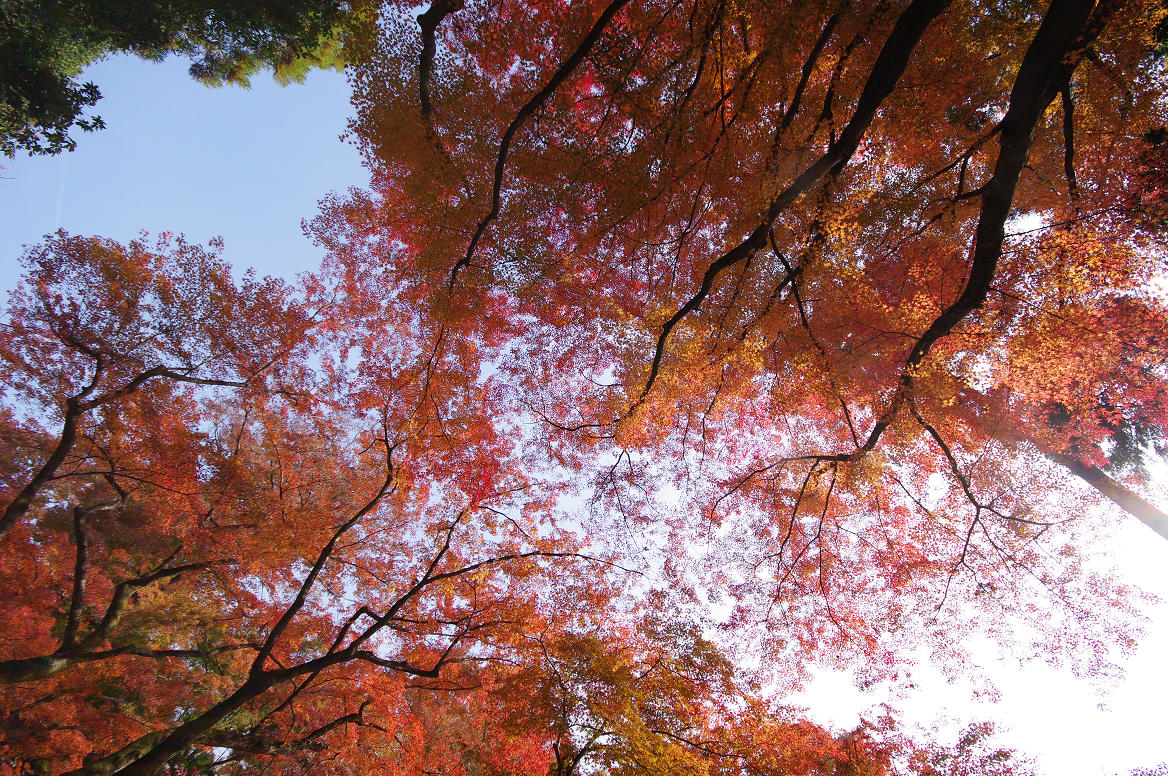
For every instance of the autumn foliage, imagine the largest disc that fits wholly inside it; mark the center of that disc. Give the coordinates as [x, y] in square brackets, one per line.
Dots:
[675, 347]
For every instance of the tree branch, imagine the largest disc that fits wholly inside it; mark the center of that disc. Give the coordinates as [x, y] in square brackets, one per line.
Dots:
[527, 111]
[75, 409]
[1128, 500]
[36, 668]
[1067, 29]
[429, 21]
[1069, 144]
[322, 558]
[255, 743]
[889, 66]
[23, 500]
[121, 596]
[80, 568]
[805, 75]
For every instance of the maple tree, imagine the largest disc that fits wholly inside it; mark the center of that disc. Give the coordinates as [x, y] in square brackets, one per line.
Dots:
[229, 548]
[866, 282]
[674, 346]
[229, 557]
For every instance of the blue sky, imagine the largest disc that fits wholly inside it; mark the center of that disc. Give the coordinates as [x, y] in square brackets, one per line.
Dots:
[247, 164]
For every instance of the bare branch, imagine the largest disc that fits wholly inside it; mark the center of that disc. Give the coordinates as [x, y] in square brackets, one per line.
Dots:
[1069, 144]
[805, 75]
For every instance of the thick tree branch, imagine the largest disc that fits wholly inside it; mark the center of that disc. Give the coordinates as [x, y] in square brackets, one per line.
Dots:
[121, 597]
[19, 505]
[80, 569]
[1069, 144]
[259, 682]
[73, 652]
[35, 668]
[258, 743]
[113, 763]
[1067, 29]
[429, 21]
[1128, 500]
[886, 71]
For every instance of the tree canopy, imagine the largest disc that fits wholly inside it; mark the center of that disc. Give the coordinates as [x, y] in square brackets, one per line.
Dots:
[674, 347]
[45, 44]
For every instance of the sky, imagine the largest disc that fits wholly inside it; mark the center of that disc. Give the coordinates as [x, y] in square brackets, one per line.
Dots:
[246, 164]
[249, 165]
[1069, 726]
